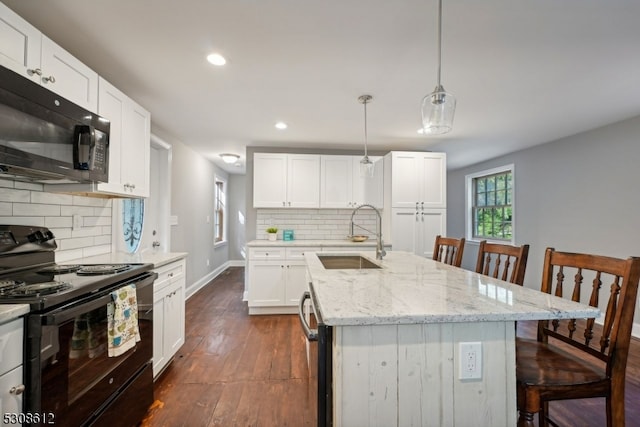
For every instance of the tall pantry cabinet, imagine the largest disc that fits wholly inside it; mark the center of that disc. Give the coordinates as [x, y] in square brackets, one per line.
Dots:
[416, 192]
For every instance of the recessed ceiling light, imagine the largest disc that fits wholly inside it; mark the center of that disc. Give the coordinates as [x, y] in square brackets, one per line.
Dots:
[216, 59]
[281, 125]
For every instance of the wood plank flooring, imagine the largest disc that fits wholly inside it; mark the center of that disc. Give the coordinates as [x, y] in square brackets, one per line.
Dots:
[241, 370]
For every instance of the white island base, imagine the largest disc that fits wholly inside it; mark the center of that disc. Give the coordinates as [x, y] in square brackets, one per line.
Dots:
[407, 375]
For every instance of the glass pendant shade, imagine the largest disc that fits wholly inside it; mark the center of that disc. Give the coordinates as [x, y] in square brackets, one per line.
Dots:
[366, 167]
[438, 109]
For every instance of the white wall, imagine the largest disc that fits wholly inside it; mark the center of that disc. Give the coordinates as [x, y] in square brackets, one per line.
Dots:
[577, 194]
[26, 204]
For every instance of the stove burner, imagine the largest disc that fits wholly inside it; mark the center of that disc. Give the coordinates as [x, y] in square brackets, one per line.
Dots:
[8, 285]
[59, 269]
[44, 288]
[92, 270]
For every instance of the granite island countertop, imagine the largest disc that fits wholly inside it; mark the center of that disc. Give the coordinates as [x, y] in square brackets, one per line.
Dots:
[409, 289]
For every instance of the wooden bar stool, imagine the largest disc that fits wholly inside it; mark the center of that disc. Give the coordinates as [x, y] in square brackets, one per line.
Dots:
[576, 359]
[448, 250]
[500, 261]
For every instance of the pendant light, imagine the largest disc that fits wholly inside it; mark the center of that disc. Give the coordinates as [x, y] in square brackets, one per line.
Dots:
[366, 165]
[439, 106]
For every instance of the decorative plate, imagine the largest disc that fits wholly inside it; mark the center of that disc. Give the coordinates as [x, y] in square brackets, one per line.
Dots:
[132, 221]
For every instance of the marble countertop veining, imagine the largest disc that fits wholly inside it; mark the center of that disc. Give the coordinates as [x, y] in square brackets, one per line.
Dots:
[409, 289]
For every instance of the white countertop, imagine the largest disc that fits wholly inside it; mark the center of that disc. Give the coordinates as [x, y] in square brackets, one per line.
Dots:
[158, 259]
[8, 312]
[371, 243]
[409, 289]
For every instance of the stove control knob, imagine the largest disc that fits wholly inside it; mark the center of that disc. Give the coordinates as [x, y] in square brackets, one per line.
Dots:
[36, 236]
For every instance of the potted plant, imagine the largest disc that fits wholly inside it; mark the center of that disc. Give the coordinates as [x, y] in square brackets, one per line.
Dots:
[272, 231]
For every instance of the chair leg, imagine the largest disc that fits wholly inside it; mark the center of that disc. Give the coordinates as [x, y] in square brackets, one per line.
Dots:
[525, 419]
[543, 415]
[615, 411]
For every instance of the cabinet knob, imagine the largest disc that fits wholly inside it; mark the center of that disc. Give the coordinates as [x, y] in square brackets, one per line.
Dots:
[17, 390]
[49, 79]
[289, 203]
[37, 71]
[284, 204]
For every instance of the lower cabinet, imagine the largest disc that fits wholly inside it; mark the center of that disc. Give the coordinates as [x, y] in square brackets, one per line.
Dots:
[415, 230]
[11, 385]
[276, 279]
[168, 313]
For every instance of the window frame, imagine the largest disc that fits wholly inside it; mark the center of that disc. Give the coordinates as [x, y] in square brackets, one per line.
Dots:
[220, 182]
[469, 202]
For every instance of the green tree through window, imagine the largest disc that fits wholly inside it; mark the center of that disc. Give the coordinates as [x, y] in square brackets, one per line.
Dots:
[492, 212]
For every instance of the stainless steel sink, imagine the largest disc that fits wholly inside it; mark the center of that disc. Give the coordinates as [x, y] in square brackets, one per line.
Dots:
[345, 262]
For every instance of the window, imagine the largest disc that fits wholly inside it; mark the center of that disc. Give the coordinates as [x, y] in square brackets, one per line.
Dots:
[490, 207]
[219, 216]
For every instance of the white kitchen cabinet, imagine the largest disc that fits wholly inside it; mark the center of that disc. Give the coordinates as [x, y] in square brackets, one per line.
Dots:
[168, 313]
[11, 376]
[276, 279]
[418, 179]
[416, 230]
[33, 55]
[341, 185]
[286, 180]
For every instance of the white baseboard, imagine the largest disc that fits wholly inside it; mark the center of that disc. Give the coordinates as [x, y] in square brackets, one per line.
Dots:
[195, 287]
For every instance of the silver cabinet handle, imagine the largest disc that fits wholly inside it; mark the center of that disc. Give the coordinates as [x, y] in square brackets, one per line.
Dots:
[17, 390]
[284, 204]
[49, 79]
[37, 71]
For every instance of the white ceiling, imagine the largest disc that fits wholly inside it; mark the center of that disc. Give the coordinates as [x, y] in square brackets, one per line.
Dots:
[524, 72]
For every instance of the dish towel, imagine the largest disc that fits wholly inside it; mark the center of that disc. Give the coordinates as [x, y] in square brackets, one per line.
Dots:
[122, 315]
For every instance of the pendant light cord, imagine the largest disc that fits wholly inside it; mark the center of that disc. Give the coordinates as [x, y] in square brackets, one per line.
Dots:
[365, 128]
[439, 40]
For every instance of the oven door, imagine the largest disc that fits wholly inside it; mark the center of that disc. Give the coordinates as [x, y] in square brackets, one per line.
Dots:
[69, 372]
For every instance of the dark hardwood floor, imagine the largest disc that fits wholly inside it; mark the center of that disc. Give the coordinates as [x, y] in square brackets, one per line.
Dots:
[241, 370]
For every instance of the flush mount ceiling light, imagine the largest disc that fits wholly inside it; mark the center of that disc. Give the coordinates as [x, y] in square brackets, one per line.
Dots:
[366, 165]
[439, 106]
[281, 125]
[216, 59]
[229, 158]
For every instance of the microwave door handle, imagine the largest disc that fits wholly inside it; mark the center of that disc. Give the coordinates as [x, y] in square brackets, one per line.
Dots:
[83, 147]
[311, 334]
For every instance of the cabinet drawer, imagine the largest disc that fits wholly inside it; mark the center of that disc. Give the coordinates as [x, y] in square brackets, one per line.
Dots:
[11, 337]
[267, 253]
[298, 252]
[168, 274]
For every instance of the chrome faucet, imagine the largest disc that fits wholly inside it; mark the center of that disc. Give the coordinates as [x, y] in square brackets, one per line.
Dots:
[380, 252]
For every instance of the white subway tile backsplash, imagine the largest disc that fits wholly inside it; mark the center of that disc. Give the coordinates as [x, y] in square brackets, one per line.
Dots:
[314, 224]
[24, 203]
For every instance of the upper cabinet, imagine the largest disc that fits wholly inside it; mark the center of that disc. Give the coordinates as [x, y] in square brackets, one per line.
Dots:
[341, 185]
[286, 180]
[129, 148]
[418, 179]
[31, 54]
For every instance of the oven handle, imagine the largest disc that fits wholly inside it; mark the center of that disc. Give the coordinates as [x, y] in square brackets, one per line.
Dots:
[73, 310]
[311, 334]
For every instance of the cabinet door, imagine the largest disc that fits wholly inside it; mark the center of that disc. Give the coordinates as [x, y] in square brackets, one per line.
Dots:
[65, 75]
[19, 44]
[405, 179]
[11, 402]
[159, 356]
[432, 222]
[266, 283]
[136, 139]
[296, 272]
[269, 180]
[174, 318]
[336, 186]
[111, 105]
[405, 226]
[434, 180]
[303, 181]
[368, 190]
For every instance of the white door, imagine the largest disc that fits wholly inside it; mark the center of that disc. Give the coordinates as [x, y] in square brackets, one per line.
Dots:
[336, 182]
[405, 179]
[434, 180]
[19, 44]
[269, 180]
[266, 283]
[405, 230]
[432, 222]
[296, 281]
[303, 181]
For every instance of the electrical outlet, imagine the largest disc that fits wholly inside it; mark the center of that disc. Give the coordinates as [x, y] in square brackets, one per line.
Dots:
[470, 358]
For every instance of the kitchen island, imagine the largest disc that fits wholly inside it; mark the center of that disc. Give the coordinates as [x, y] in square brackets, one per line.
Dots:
[396, 334]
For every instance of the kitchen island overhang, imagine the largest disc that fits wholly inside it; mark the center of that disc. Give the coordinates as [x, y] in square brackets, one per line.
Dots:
[397, 332]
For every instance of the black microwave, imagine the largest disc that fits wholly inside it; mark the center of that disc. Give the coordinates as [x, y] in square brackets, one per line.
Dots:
[47, 138]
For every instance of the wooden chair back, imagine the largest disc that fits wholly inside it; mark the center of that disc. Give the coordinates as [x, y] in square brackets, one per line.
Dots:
[448, 250]
[590, 279]
[501, 261]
